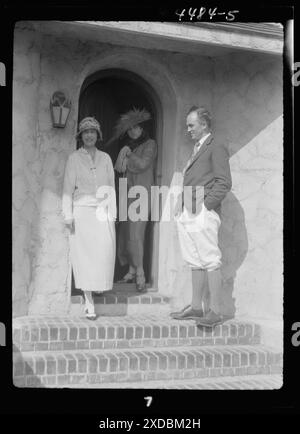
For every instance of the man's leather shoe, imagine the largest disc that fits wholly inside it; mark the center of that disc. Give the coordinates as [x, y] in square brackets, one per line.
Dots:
[190, 313]
[180, 311]
[210, 320]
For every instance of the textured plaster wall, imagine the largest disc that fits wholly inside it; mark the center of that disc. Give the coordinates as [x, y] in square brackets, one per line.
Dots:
[40, 265]
[245, 99]
[26, 165]
[248, 107]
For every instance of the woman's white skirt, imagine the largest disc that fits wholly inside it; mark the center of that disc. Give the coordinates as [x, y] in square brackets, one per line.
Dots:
[93, 250]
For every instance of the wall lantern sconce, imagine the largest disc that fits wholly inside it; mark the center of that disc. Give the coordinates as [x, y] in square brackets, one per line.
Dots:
[60, 108]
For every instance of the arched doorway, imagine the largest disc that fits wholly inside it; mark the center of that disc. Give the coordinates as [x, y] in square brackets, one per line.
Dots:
[106, 95]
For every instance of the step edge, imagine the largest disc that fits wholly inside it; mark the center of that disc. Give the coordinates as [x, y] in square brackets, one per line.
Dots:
[82, 322]
[256, 347]
[203, 381]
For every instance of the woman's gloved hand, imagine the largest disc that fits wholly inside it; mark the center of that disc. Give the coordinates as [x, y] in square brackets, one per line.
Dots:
[127, 151]
[121, 162]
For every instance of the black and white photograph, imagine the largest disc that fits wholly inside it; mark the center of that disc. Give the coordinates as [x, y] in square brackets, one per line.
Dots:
[148, 202]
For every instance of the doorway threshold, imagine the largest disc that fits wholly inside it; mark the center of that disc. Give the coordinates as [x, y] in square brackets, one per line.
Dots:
[124, 301]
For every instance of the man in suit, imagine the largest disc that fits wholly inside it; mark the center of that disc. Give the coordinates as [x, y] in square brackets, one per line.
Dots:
[198, 218]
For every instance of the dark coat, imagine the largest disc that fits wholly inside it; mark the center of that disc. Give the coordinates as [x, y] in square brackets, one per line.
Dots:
[209, 168]
[140, 171]
[140, 166]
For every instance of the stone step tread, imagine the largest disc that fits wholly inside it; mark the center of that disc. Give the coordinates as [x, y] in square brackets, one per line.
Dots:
[124, 297]
[128, 320]
[57, 379]
[165, 359]
[183, 349]
[246, 382]
[136, 331]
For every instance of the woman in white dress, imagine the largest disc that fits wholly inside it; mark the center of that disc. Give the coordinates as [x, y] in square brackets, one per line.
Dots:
[89, 210]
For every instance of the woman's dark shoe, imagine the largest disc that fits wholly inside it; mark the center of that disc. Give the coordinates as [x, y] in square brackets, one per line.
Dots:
[141, 283]
[128, 278]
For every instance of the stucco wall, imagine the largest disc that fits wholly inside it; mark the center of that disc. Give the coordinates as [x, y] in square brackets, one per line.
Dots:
[248, 107]
[248, 119]
[26, 166]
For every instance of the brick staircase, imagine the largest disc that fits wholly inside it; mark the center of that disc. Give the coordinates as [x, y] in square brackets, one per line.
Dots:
[135, 344]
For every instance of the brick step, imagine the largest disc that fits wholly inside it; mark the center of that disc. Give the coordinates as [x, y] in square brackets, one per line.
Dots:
[136, 331]
[246, 382]
[38, 369]
[120, 288]
[125, 301]
[123, 287]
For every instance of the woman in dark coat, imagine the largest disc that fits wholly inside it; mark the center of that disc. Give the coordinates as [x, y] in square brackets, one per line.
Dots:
[136, 161]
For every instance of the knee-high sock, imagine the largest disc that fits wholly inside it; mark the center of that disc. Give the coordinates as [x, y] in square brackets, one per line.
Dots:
[199, 286]
[215, 289]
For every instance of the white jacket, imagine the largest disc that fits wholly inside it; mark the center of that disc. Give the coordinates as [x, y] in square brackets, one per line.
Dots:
[86, 180]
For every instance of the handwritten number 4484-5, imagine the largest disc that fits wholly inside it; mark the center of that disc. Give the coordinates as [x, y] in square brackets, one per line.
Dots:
[212, 12]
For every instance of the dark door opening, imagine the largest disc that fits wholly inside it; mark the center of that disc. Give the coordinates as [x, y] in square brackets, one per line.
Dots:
[106, 99]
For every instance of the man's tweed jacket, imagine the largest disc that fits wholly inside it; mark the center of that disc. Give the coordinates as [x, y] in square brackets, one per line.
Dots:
[210, 169]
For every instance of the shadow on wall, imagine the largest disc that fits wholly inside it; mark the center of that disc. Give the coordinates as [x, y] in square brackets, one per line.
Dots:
[233, 242]
[248, 97]
[23, 373]
[247, 102]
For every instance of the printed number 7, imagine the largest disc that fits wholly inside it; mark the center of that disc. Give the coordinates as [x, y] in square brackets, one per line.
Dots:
[149, 400]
